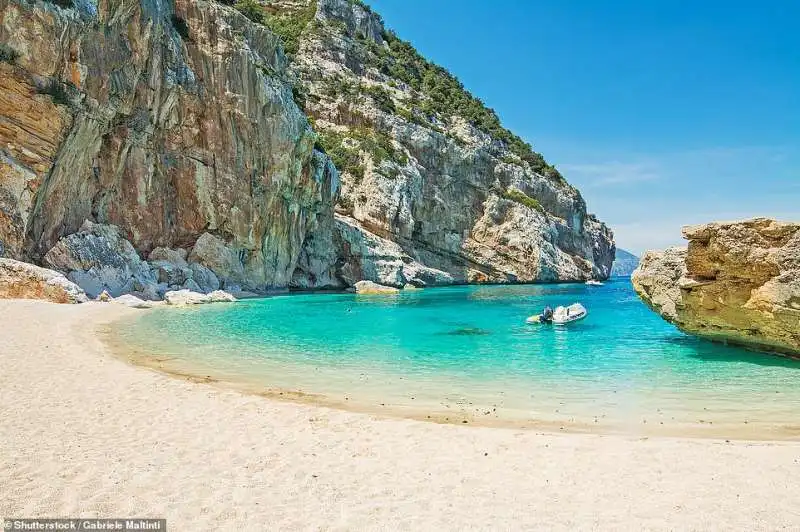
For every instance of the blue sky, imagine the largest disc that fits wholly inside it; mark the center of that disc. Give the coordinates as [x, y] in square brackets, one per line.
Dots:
[663, 113]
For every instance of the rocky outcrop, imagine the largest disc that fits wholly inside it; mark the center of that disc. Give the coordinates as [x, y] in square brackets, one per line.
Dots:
[364, 256]
[168, 120]
[736, 282]
[187, 297]
[206, 280]
[20, 280]
[132, 301]
[100, 260]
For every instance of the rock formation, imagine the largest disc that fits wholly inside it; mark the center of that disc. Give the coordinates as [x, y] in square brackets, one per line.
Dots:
[624, 263]
[132, 301]
[98, 259]
[171, 131]
[370, 288]
[187, 297]
[736, 282]
[438, 190]
[20, 280]
[169, 121]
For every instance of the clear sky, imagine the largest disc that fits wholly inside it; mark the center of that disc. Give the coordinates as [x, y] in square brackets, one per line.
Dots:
[663, 113]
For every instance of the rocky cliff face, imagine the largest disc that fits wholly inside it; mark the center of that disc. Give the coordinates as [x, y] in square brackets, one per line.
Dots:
[428, 169]
[737, 282]
[174, 126]
[169, 122]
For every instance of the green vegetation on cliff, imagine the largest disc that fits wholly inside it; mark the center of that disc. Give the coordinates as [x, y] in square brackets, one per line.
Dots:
[8, 54]
[345, 149]
[344, 155]
[251, 9]
[444, 95]
[435, 96]
[381, 98]
[288, 25]
[520, 197]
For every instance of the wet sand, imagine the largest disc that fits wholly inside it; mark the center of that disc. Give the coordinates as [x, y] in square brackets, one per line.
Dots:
[83, 433]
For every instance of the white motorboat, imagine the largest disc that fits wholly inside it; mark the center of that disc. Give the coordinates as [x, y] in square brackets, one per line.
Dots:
[593, 282]
[562, 315]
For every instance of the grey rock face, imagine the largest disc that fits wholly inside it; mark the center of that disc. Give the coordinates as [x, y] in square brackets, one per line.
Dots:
[190, 284]
[364, 256]
[359, 21]
[98, 258]
[206, 279]
[176, 257]
[452, 198]
[152, 292]
[316, 265]
[225, 261]
[20, 280]
[169, 273]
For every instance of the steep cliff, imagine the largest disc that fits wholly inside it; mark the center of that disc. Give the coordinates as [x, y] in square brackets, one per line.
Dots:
[427, 166]
[737, 282]
[169, 122]
[175, 126]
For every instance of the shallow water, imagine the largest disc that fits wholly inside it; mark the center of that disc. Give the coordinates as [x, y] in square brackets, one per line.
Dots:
[466, 353]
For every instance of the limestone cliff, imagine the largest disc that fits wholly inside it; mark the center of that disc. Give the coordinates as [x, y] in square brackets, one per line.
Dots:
[737, 282]
[427, 167]
[175, 127]
[168, 121]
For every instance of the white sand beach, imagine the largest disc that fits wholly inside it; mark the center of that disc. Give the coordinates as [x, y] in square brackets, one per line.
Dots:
[83, 433]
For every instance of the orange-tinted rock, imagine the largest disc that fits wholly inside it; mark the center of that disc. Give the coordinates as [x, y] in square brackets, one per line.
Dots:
[167, 138]
[20, 280]
[738, 282]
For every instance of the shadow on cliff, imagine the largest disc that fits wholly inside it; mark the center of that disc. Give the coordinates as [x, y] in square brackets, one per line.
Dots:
[709, 351]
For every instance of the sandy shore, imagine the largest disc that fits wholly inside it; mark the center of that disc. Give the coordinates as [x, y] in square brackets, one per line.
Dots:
[83, 433]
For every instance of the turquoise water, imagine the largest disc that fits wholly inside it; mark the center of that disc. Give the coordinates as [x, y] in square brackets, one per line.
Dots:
[466, 352]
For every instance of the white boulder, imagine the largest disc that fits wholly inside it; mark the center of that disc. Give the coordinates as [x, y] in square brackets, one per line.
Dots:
[187, 297]
[132, 301]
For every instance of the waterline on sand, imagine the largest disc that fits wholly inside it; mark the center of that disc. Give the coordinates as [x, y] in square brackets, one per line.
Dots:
[464, 355]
